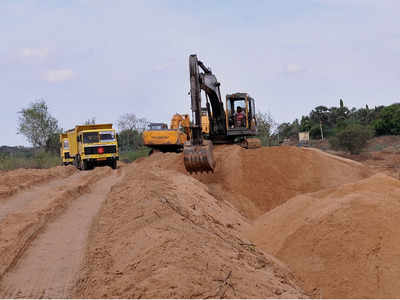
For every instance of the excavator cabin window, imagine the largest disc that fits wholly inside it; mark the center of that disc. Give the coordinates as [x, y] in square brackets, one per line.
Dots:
[237, 113]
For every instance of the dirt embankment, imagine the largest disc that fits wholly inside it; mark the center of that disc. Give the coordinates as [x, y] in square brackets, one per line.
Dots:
[258, 180]
[13, 181]
[342, 242]
[160, 234]
[30, 216]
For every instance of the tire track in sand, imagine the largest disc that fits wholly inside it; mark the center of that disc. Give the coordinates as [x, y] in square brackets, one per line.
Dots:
[36, 194]
[50, 267]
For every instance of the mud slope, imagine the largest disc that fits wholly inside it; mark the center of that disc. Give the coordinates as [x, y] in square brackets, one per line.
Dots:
[255, 181]
[160, 234]
[343, 242]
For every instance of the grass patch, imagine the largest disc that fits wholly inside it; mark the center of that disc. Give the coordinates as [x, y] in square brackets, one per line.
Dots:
[130, 156]
[40, 160]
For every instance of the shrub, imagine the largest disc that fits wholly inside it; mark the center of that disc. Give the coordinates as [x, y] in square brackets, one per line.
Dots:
[39, 160]
[131, 156]
[352, 139]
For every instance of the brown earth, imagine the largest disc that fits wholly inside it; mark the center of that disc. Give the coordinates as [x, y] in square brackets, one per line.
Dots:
[342, 242]
[28, 218]
[20, 179]
[259, 180]
[162, 235]
[150, 230]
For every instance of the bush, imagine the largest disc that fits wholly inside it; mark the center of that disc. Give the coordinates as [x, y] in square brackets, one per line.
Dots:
[352, 139]
[39, 160]
[131, 156]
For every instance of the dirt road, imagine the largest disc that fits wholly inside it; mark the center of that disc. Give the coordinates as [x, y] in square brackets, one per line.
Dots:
[48, 263]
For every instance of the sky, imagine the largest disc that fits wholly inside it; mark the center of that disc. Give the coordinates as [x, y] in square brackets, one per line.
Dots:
[103, 59]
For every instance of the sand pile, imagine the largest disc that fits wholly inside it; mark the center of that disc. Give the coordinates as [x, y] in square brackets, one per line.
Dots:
[20, 179]
[258, 180]
[160, 234]
[342, 242]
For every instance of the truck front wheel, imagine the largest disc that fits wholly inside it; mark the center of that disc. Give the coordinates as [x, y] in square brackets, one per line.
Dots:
[84, 165]
[113, 164]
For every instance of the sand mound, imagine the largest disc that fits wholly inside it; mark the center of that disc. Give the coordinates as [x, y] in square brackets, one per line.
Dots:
[20, 179]
[342, 242]
[258, 180]
[160, 234]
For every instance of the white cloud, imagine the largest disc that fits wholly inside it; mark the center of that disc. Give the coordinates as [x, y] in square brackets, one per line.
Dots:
[59, 75]
[34, 52]
[294, 68]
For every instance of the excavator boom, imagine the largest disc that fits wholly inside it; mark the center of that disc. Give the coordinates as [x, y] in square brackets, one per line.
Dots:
[198, 153]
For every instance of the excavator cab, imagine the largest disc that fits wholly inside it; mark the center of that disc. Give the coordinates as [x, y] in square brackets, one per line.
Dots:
[240, 113]
[241, 120]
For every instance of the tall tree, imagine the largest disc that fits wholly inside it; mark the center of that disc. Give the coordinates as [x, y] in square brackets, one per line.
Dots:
[127, 121]
[265, 125]
[130, 130]
[36, 123]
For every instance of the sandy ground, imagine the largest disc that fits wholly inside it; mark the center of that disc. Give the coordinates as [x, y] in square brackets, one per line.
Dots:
[38, 228]
[341, 242]
[279, 222]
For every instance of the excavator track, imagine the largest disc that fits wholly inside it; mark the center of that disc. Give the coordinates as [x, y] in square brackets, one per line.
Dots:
[199, 158]
[251, 143]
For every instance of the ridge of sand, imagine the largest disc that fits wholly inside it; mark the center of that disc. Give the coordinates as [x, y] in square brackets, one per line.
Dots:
[342, 242]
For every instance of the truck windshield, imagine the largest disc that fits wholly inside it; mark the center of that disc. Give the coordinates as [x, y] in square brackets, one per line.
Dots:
[91, 137]
[107, 136]
[66, 144]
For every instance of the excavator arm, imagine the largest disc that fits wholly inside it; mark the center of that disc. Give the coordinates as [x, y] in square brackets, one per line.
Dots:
[198, 154]
[207, 82]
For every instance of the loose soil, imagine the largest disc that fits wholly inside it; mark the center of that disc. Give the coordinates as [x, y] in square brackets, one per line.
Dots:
[278, 222]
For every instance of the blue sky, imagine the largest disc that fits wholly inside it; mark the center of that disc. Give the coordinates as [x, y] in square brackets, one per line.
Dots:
[106, 58]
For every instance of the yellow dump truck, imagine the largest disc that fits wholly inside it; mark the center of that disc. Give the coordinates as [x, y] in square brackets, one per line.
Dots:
[64, 150]
[93, 145]
[205, 122]
[159, 138]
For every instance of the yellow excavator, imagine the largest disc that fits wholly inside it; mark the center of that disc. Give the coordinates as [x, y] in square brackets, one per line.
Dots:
[159, 138]
[235, 124]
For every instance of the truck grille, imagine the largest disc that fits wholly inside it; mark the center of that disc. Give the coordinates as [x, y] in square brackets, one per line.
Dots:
[66, 155]
[94, 150]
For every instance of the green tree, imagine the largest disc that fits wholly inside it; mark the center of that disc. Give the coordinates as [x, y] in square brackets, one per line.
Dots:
[352, 139]
[129, 140]
[36, 124]
[265, 124]
[388, 121]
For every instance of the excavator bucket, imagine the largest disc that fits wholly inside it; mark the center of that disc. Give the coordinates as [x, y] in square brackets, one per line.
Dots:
[199, 158]
[251, 143]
